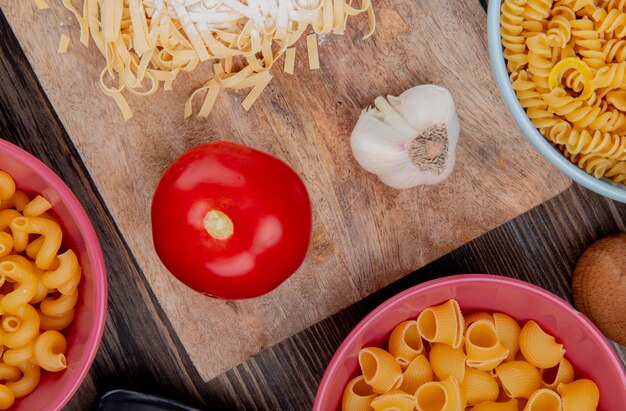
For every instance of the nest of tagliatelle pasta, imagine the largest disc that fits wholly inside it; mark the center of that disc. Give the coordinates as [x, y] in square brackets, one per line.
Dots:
[567, 62]
[147, 43]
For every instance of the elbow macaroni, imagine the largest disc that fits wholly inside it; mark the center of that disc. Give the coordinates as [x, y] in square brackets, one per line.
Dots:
[39, 292]
[492, 366]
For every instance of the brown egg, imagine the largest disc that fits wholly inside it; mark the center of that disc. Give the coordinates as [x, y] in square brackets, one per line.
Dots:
[599, 285]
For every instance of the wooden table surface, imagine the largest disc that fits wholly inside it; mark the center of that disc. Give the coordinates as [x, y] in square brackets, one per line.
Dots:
[140, 350]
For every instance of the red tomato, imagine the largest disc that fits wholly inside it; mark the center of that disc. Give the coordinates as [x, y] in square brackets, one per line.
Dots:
[231, 222]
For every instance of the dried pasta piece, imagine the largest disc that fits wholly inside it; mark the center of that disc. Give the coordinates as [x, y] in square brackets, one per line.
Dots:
[42, 4]
[155, 40]
[394, 400]
[417, 373]
[518, 378]
[314, 58]
[357, 395]
[580, 395]
[544, 400]
[539, 348]
[447, 361]
[483, 346]
[587, 76]
[380, 369]
[475, 316]
[442, 324]
[6, 244]
[256, 91]
[508, 330]
[405, 343]
[562, 373]
[444, 395]
[290, 60]
[7, 186]
[64, 44]
[479, 386]
[511, 405]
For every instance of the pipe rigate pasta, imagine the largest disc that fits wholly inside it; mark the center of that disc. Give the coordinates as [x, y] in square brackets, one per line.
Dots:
[479, 386]
[357, 395]
[580, 395]
[510, 405]
[447, 361]
[380, 369]
[508, 330]
[442, 378]
[518, 378]
[476, 316]
[562, 373]
[442, 323]
[539, 348]
[417, 373]
[405, 343]
[483, 346]
[394, 400]
[543, 400]
[444, 395]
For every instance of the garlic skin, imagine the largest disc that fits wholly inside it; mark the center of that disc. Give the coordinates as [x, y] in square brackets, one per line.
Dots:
[408, 140]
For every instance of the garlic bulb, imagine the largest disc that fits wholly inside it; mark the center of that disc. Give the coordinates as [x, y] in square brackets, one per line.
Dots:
[408, 140]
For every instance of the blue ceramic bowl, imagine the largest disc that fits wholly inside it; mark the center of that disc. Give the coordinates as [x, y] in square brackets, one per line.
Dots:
[601, 186]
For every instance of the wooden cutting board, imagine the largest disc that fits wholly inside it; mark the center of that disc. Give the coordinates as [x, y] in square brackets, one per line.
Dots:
[366, 235]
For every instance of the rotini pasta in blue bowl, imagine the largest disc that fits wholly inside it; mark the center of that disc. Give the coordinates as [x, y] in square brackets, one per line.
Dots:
[561, 68]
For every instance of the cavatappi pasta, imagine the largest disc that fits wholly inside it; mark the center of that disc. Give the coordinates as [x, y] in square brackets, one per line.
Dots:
[38, 292]
[148, 43]
[567, 63]
[493, 365]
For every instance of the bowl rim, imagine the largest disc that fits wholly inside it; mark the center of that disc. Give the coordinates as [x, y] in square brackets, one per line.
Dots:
[601, 186]
[448, 281]
[93, 248]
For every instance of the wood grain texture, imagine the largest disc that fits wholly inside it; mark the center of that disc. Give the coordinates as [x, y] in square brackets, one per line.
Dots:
[363, 231]
[137, 351]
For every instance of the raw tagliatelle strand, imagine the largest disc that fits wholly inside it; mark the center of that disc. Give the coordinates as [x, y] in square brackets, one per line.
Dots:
[152, 41]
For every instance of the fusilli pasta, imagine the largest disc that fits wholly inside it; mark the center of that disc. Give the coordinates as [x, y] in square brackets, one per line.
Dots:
[567, 64]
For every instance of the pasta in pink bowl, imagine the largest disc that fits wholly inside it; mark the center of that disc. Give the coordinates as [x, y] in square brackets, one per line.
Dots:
[481, 341]
[52, 284]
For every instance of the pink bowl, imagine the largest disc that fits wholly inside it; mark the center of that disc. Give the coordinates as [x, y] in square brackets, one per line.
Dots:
[83, 336]
[586, 347]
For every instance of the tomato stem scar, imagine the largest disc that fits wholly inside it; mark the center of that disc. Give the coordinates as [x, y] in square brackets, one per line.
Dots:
[218, 225]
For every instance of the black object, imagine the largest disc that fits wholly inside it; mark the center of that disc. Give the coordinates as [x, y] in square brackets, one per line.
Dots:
[124, 400]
